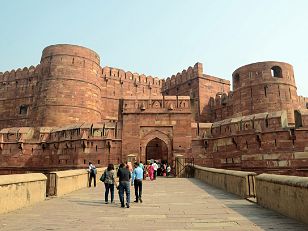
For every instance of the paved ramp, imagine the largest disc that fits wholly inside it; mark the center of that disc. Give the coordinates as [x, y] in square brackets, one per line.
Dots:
[169, 204]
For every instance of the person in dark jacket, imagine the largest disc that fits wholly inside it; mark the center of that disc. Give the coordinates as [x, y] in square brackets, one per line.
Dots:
[124, 186]
[109, 181]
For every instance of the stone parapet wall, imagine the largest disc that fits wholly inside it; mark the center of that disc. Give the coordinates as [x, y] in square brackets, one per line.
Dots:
[284, 194]
[72, 180]
[60, 148]
[17, 191]
[237, 182]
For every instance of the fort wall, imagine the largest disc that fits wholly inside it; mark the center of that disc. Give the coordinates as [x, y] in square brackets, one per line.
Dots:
[69, 90]
[68, 111]
[17, 90]
[265, 87]
[118, 84]
[60, 148]
[165, 118]
[200, 87]
[262, 143]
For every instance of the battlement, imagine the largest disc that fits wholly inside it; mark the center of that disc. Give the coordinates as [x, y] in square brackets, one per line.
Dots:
[185, 75]
[13, 75]
[261, 122]
[121, 75]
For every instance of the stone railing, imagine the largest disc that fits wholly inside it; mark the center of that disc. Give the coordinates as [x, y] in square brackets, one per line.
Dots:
[287, 195]
[237, 182]
[20, 190]
[63, 182]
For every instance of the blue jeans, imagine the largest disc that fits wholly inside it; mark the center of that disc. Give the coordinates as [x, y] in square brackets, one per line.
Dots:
[124, 186]
[109, 187]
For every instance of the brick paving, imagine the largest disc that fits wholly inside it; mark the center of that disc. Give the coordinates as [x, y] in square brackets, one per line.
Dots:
[168, 204]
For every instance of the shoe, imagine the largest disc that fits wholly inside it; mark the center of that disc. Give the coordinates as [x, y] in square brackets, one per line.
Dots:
[106, 202]
[140, 199]
[122, 206]
[136, 201]
[127, 205]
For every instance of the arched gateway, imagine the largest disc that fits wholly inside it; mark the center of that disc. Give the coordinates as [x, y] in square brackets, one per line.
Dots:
[156, 145]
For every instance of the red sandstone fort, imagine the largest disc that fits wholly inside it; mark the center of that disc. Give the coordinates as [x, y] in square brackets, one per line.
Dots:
[68, 110]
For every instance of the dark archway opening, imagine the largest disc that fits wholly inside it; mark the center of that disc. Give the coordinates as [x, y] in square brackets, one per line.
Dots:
[157, 149]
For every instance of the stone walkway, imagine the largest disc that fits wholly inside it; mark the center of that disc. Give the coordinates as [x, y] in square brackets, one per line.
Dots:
[168, 204]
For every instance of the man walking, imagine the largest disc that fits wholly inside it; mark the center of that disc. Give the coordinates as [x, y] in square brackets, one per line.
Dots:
[92, 174]
[155, 166]
[124, 186]
[137, 182]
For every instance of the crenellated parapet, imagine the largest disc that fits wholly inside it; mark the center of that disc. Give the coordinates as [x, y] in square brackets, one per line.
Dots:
[256, 123]
[186, 75]
[110, 73]
[24, 74]
[303, 102]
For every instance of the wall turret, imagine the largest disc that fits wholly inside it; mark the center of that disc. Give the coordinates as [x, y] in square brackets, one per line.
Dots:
[69, 89]
[264, 87]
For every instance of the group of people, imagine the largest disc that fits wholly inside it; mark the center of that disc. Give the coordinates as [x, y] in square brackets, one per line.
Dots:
[127, 177]
[155, 169]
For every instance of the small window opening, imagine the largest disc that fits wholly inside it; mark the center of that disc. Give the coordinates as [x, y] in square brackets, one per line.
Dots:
[23, 110]
[265, 90]
[276, 72]
[266, 121]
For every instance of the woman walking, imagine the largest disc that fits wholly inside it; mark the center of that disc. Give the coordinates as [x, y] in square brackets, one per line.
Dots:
[151, 171]
[109, 181]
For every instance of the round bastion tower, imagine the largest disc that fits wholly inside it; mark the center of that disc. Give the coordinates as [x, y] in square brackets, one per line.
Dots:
[68, 88]
[265, 87]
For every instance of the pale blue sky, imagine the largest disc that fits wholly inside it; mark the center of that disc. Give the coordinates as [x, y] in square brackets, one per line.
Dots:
[160, 37]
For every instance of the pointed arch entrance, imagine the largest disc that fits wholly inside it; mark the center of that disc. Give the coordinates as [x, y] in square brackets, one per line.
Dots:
[156, 145]
[157, 149]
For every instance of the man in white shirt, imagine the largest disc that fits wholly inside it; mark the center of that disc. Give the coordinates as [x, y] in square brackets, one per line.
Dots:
[155, 166]
[92, 174]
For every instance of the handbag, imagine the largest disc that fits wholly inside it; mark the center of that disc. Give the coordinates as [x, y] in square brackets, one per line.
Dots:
[103, 177]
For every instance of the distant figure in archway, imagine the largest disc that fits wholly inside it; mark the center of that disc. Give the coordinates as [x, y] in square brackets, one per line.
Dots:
[151, 171]
[155, 166]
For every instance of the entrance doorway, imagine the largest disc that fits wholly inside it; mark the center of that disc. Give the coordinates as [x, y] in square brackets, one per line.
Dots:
[157, 149]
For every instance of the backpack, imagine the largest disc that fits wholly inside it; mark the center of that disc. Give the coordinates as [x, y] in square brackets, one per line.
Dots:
[93, 170]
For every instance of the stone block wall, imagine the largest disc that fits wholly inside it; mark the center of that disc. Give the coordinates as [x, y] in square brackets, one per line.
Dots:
[21, 190]
[261, 143]
[167, 118]
[200, 87]
[284, 194]
[17, 90]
